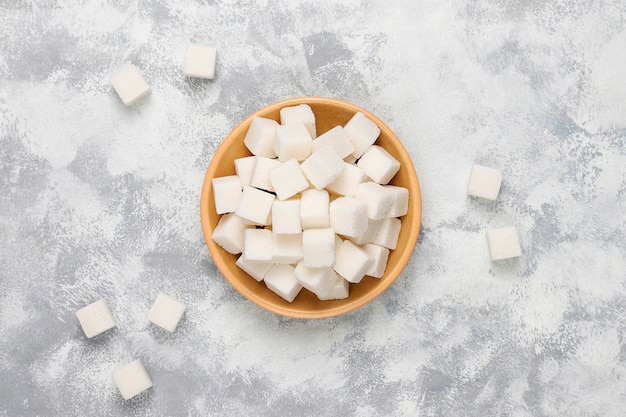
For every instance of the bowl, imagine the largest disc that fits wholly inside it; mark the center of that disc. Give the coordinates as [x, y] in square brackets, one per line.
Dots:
[328, 113]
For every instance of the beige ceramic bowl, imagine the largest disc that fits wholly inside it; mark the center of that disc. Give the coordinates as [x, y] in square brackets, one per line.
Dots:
[329, 113]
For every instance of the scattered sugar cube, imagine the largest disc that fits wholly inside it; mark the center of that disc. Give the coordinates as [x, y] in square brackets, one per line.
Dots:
[256, 270]
[281, 279]
[228, 233]
[484, 182]
[299, 114]
[348, 216]
[379, 256]
[338, 139]
[323, 167]
[260, 137]
[226, 193]
[388, 233]
[166, 312]
[379, 164]
[255, 205]
[318, 247]
[244, 168]
[317, 280]
[370, 233]
[503, 243]
[257, 245]
[200, 61]
[347, 183]
[287, 179]
[95, 318]
[362, 133]
[292, 141]
[339, 290]
[287, 249]
[132, 379]
[314, 209]
[129, 84]
[286, 217]
[260, 175]
[400, 200]
[352, 262]
[379, 200]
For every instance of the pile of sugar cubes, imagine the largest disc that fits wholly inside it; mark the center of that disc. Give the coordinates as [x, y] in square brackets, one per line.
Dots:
[308, 211]
[96, 318]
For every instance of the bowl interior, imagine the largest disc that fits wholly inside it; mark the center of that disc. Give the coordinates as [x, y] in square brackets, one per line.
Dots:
[329, 113]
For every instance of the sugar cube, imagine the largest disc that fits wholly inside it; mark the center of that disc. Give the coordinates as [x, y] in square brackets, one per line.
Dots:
[132, 379]
[226, 193]
[260, 175]
[388, 233]
[200, 61]
[281, 279]
[257, 245]
[503, 243]
[323, 167]
[314, 209]
[317, 280]
[244, 168]
[286, 217]
[255, 205]
[347, 183]
[338, 139]
[287, 179]
[256, 270]
[129, 84]
[287, 249]
[400, 200]
[379, 164]
[362, 133]
[299, 114]
[292, 141]
[379, 256]
[228, 233]
[369, 234]
[260, 137]
[484, 182]
[379, 200]
[352, 262]
[348, 216]
[318, 247]
[339, 290]
[166, 312]
[95, 318]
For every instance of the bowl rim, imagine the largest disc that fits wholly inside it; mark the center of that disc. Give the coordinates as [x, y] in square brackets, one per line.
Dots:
[411, 240]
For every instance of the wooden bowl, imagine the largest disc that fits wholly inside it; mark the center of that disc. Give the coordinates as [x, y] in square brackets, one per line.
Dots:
[329, 113]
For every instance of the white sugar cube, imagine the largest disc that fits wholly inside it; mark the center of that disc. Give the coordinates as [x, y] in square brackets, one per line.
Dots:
[339, 290]
[260, 137]
[281, 279]
[352, 262]
[379, 164]
[260, 175]
[299, 114]
[379, 200]
[256, 270]
[503, 243]
[347, 183]
[318, 247]
[166, 312]
[228, 233]
[244, 168]
[348, 216]
[292, 141]
[370, 233]
[287, 249]
[323, 167]
[226, 193]
[287, 179]
[257, 245]
[130, 85]
[362, 133]
[286, 217]
[379, 256]
[400, 200]
[95, 318]
[132, 379]
[317, 280]
[255, 205]
[338, 139]
[314, 206]
[388, 233]
[484, 182]
[200, 61]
